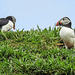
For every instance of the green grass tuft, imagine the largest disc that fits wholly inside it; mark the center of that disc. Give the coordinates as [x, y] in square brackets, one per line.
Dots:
[35, 52]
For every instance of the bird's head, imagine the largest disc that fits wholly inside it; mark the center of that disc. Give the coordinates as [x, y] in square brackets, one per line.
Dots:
[65, 21]
[13, 19]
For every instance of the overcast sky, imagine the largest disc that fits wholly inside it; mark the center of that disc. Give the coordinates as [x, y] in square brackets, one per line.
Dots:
[45, 13]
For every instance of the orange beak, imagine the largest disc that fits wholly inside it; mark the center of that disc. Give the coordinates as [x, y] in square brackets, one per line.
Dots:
[14, 26]
[58, 23]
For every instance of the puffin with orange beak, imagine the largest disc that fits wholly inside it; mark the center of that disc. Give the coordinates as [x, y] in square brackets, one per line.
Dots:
[7, 23]
[67, 34]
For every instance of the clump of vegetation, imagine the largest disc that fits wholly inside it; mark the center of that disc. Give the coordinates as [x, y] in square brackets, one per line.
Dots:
[35, 52]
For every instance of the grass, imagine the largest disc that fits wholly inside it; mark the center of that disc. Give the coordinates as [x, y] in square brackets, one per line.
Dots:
[35, 52]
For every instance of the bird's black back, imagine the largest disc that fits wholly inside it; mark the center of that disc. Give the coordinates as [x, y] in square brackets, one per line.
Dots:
[3, 21]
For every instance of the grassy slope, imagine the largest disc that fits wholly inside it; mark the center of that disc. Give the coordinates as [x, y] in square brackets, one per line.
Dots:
[35, 52]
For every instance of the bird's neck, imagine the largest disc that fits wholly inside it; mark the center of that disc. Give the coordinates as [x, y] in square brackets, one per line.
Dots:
[67, 25]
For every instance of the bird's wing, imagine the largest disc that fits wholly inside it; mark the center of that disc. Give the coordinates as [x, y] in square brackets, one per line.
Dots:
[3, 21]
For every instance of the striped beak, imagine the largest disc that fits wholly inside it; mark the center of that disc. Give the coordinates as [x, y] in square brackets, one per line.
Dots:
[14, 26]
[59, 23]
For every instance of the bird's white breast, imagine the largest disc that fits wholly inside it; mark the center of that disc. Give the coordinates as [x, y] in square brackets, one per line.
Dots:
[67, 35]
[7, 27]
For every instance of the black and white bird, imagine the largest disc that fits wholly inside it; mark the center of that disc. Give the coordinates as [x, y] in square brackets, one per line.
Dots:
[67, 34]
[7, 23]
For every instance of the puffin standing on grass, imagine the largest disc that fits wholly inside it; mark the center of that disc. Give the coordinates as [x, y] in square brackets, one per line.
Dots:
[7, 23]
[67, 34]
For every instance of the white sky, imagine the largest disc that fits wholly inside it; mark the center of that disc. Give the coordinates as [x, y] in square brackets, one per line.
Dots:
[45, 13]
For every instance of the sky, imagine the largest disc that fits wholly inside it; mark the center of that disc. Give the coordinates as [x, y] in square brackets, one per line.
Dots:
[44, 13]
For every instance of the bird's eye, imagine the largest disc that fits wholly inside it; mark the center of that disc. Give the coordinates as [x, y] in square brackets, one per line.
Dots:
[63, 19]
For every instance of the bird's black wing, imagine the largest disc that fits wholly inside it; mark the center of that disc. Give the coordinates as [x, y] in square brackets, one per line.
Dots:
[3, 21]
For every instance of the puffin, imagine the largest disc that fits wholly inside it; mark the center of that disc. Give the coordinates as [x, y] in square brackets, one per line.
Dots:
[67, 34]
[6, 24]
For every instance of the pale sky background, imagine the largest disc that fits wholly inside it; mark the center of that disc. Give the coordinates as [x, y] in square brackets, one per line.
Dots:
[45, 13]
